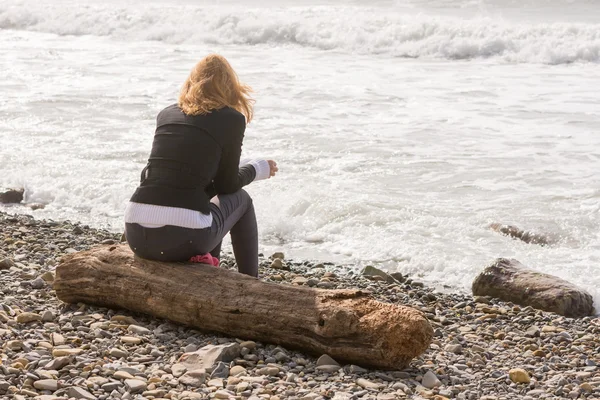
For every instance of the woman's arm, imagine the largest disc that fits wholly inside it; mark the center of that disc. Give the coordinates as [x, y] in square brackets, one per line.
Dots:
[230, 176]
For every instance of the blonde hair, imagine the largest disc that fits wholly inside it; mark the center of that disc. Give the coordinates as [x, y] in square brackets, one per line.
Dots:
[212, 85]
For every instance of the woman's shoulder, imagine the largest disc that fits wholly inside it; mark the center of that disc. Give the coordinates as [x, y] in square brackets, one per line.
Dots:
[229, 111]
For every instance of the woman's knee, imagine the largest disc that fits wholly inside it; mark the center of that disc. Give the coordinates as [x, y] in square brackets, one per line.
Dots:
[245, 196]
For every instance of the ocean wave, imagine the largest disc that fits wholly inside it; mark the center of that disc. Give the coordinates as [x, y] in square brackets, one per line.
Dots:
[348, 29]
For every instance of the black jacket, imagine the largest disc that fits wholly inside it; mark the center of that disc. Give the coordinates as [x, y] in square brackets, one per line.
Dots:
[194, 158]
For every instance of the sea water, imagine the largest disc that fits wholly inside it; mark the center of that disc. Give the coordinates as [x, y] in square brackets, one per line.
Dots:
[402, 129]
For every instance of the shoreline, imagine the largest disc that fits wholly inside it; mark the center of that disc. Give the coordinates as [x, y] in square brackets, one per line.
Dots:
[476, 342]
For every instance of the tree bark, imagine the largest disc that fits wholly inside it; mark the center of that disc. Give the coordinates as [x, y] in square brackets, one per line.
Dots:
[349, 325]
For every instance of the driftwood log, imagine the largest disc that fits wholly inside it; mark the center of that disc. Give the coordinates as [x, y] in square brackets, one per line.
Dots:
[349, 325]
[509, 280]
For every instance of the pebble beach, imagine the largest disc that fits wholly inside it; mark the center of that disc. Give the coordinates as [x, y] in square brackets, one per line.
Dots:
[482, 348]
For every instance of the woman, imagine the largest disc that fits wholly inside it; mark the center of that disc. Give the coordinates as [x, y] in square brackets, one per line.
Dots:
[191, 193]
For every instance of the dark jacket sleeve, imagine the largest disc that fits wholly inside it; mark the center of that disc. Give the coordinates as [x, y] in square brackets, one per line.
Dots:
[230, 177]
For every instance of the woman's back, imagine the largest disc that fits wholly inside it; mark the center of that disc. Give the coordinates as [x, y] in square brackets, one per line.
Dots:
[186, 155]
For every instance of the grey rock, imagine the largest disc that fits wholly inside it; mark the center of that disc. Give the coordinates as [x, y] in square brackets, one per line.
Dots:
[80, 393]
[118, 353]
[430, 381]
[355, 369]
[11, 195]
[110, 386]
[221, 370]
[135, 385]
[194, 378]
[47, 316]
[454, 348]
[37, 283]
[46, 384]
[371, 271]
[208, 356]
[4, 386]
[6, 263]
[190, 348]
[328, 368]
[140, 330]
[58, 363]
[364, 383]
[325, 359]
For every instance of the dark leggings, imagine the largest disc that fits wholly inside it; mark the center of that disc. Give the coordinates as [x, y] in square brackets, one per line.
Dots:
[231, 213]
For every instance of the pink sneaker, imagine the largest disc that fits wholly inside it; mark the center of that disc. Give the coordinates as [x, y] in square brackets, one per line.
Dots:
[205, 259]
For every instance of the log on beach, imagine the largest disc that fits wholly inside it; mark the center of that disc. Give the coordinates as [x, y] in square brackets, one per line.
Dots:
[509, 280]
[349, 325]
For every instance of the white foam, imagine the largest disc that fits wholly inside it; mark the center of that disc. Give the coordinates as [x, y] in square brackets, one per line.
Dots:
[350, 29]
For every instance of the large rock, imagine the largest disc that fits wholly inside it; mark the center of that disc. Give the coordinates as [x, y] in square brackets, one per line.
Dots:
[11, 195]
[370, 271]
[208, 356]
[509, 280]
[523, 235]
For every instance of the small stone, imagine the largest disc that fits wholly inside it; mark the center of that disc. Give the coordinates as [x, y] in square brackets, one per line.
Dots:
[237, 370]
[47, 276]
[14, 345]
[58, 363]
[223, 394]
[118, 353]
[217, 382]
[27, 317]
[124, 319]
[221, 370]
[366, 384]
[374, 273]
[47, 316]
[270, 371]
[194, 378]
[532, 331]
[178, 369]
[110, 386]
[57, 339]
[6, 263]
[66, 352]
[330, 369]
[586, 387]
[80, 393]
[135, 385]
[454, 348]
[277, 255]
[430, 381]
[156, 393]
[190, 348]
[97, 380]
[46, 384]
[249, 344]
[139, 330]
[299, 280]
[121, 375]
[278, 264]
[130, 340]
[519, 375]
[326, 360]
[355, 369]
[37, 283]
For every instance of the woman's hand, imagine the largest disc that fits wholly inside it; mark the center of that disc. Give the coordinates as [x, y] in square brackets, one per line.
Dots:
[273, 167]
